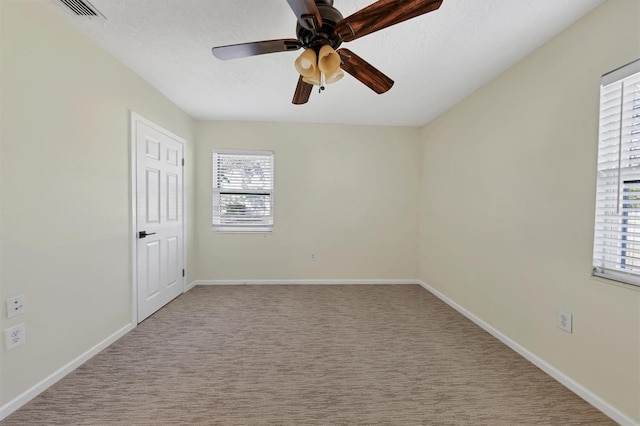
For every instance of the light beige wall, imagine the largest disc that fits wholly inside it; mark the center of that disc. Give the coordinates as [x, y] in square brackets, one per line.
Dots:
[507, 207]
[65, 187]
[346, 193]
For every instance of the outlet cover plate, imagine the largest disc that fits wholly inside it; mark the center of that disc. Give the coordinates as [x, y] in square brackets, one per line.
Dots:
[565, 321]
[14, 336]
[15, 306]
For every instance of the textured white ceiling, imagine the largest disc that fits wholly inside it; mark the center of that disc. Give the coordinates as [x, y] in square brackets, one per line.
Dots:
[436, 59]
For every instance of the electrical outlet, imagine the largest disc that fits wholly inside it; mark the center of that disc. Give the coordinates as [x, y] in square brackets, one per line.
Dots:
[313, 256]
[15, 306]
[14, 336]
[565, 320]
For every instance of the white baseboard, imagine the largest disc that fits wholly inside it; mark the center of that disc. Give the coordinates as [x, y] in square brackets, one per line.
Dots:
[568, 382]
[43, 385]
[189, 286]
[306, 282]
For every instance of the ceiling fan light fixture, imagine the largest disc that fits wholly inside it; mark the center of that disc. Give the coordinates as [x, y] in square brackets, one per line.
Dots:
[328, 60]
[311, 66]
[306, 64]
[314, 78]
[332, 78]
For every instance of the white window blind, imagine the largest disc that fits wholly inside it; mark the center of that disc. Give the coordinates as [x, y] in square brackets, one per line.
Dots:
[243, 191]
[616, 251]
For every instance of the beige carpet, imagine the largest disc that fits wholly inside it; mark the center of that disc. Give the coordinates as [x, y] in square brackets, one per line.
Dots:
[297, 355]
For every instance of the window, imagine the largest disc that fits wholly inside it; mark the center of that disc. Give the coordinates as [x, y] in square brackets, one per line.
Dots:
[243, 191]
[616, 248]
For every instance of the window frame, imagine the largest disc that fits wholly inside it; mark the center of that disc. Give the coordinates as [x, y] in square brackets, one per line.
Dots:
[235, 228]
[616, 240]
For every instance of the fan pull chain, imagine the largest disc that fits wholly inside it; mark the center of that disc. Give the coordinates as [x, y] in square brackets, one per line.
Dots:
[321, 82]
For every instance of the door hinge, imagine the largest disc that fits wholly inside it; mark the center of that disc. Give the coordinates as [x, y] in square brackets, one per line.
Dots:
[183, 162]
[183, 272]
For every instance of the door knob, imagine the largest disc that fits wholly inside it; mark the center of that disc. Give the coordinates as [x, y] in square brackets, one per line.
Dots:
[143, 234]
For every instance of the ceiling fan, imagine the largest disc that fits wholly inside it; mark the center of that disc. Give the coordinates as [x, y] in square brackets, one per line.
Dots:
[321, 30]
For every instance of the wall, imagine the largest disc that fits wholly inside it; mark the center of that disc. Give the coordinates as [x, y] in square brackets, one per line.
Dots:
[345, 193]
[65, 188]
[507, 207]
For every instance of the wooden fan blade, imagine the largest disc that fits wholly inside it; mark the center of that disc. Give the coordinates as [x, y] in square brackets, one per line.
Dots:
[307, 13]
[364, 71]
[380, 15]
[242, 50]
[303, 92]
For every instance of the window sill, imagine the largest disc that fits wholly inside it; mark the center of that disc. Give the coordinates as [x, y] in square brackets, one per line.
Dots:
[609, 279]
[239, 230]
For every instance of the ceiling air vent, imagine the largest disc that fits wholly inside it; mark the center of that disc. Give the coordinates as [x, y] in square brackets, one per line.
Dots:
[81, 8]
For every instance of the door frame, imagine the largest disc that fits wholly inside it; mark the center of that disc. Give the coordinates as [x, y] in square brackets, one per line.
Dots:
[136, 118]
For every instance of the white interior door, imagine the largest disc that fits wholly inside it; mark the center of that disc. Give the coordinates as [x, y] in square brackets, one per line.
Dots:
[159, 218]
